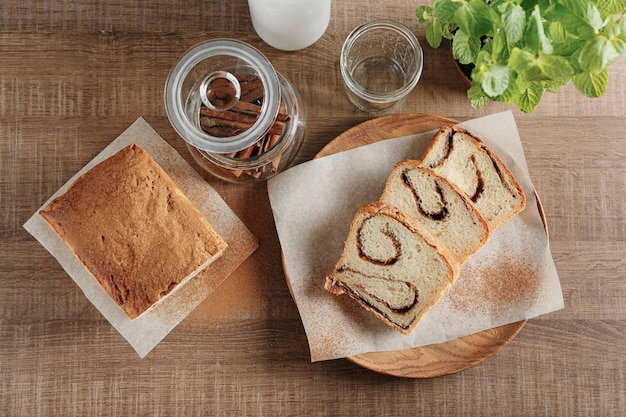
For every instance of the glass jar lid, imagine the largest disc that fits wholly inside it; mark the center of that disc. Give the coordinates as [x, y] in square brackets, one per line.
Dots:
[206, 98]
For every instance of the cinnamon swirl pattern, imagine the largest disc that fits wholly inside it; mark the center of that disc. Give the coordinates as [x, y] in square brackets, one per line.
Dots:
[404, 252]
[436, 203]
[441, 212]
[392, 266]
[464, 160]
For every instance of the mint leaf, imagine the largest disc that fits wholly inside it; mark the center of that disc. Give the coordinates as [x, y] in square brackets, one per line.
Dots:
[444, 9]
[615, 31]
[554, 67]
[477, 97]
[424, 14]
[557, 32]
[521, 60]
[553, 86]
[594, 17]
[611, 7]
[495, 80]
[465, 48]
[434, 34]
[591, 15]
[508, 96]
[514, 20]
[592, 84]
[564, 43]
[473, 17]
[499, 46]
[529, 97]
[578, 7]
[571, 21]
[597, 54]
[526, 64]
[620, 45]
[535, 35]
[448, 30]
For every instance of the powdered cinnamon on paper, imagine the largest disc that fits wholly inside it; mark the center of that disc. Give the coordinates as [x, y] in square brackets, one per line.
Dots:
[496, 286]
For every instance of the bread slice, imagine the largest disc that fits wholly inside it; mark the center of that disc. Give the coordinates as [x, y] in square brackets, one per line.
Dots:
[392, 266]
[476, 170]
[436, 203]
[133, 229]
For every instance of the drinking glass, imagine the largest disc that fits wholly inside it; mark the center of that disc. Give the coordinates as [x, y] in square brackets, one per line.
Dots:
[381, 62]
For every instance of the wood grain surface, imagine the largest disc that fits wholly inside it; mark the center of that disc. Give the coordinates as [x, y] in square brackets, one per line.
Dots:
[384, 127]
[75, 73]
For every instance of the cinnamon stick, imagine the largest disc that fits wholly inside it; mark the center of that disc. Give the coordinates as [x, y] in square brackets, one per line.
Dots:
[238, 126]
[229, 115]
[240, 118]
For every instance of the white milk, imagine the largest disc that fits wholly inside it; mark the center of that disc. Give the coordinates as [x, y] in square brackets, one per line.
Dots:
[290, 24]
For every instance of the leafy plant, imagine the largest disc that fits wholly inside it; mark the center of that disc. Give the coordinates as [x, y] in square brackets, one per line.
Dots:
[521, 48]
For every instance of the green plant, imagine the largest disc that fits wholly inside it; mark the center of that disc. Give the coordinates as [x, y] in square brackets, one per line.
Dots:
[521, 48]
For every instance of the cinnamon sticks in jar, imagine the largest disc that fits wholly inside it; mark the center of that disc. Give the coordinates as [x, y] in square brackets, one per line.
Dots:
[239, 117]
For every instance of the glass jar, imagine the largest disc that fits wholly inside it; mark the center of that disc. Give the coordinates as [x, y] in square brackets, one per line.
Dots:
[381, 62]
[242, 121]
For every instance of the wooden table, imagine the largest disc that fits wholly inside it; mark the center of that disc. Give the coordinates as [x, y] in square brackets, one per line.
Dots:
[75, 74]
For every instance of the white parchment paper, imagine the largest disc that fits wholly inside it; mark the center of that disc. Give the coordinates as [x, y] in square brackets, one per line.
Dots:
[510, 279]
[147, 330]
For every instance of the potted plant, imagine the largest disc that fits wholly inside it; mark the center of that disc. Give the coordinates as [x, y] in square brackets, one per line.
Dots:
[518, 49]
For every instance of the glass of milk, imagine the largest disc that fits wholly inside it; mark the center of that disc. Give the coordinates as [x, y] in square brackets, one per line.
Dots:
[290, 25]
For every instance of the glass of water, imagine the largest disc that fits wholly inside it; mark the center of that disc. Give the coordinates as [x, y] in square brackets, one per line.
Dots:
[381, 62]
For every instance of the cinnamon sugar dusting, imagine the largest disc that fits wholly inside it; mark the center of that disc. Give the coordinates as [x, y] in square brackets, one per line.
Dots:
[226, 291]
[334, 341]
[240, 296]
[494, 287]
[327, 346]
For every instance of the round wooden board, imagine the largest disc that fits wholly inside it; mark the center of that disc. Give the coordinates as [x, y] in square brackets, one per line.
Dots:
[432, 360]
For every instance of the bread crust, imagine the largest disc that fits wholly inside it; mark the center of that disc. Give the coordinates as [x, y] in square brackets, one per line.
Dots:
[358, 274]
[378, 208]
[505, 174]
[470, 206]
[133, 229]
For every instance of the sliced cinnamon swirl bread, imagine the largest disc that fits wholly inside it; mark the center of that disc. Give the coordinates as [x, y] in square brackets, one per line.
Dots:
[393, 266]
[436, 203]
[476, 170]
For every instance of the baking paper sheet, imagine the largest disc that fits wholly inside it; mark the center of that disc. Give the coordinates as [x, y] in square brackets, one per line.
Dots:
[511, 278]
[147, 330]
